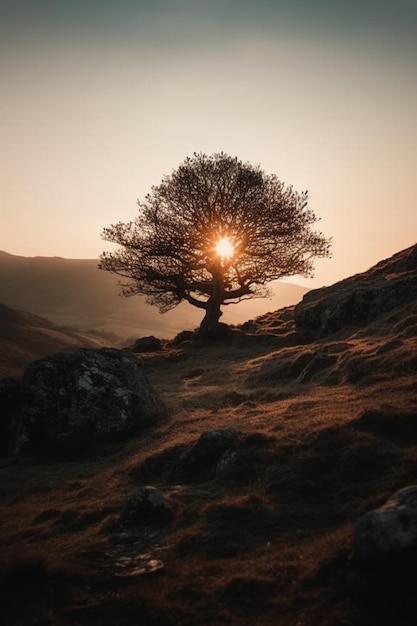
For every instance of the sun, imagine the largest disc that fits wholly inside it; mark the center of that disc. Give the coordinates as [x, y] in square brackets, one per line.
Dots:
[225, 248]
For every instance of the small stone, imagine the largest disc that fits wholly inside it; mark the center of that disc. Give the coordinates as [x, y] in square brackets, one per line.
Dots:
[147, 344]
[385, 550]
[390, 528]
[146, 506]
[212, 445]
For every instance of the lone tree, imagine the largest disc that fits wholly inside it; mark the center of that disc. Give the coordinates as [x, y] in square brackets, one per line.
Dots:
[215, 232]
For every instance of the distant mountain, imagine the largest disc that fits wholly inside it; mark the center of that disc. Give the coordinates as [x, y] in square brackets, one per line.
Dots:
[74, 292]
[25, 337]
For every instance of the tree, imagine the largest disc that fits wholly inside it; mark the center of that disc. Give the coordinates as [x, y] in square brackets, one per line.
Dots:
[214, 232]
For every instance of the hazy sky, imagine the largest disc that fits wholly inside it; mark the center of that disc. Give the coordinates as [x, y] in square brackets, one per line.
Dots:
[102, 98]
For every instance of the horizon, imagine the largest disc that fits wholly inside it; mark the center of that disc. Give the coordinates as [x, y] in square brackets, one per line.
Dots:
[103, 101]
[288, 280]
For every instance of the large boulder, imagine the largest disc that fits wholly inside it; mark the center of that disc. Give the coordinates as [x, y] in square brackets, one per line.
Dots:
[72, 401]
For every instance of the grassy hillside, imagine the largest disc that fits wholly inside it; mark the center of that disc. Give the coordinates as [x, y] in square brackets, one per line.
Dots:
[328, 431]
[25, 337]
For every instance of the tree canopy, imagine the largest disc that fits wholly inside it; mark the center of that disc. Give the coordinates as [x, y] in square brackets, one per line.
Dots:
[214, 232]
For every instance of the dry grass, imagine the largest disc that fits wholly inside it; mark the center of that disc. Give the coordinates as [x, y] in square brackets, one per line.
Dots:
[266, 542]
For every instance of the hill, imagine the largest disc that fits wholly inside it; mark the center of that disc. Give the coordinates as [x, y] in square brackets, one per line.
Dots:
[74, 292]
[322, 400]
[25, 337]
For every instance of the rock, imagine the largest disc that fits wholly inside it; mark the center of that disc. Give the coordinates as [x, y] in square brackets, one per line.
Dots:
[385, 547]
[185, 336]
[146, 506]
[390, 528]
[227, 462]
[360, 299]
[221, 332]
[210, 449]
[72, 401]
[147, 344]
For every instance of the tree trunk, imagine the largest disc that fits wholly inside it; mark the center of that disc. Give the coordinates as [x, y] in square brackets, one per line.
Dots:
[210, 322]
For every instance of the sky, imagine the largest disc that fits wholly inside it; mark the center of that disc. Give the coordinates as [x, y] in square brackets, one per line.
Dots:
[103, 98]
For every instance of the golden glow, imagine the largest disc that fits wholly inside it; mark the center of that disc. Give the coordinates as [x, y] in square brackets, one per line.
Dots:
[225, 248]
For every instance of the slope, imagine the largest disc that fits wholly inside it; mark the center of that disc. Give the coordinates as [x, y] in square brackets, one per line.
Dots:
[327, 430]
[25, 337]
